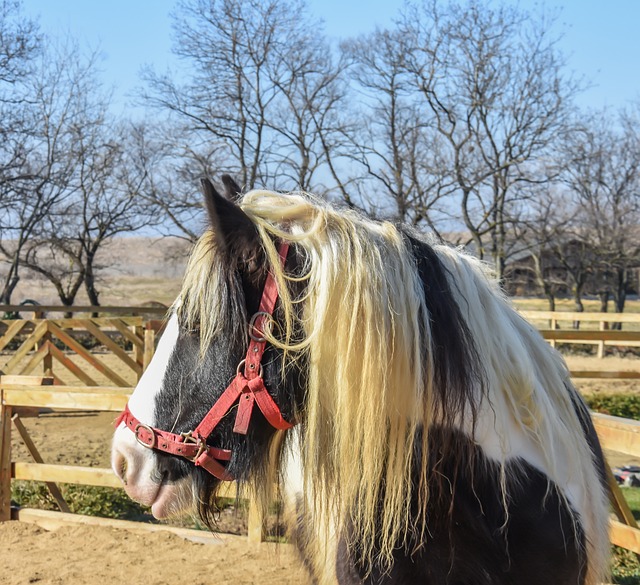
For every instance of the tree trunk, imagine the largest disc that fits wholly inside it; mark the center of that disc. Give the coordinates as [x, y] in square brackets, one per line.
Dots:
[500, 267]
[9, 287]
[90, 284]
[552, 301]
[579, 307]
[66, 299]
[620, 294]
[604, 301]
[604, 304]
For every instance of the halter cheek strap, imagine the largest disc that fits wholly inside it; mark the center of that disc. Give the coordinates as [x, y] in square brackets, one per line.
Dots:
[247, 388]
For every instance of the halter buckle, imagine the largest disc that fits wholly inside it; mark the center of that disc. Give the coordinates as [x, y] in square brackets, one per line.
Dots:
[151, 432]
[188, 438]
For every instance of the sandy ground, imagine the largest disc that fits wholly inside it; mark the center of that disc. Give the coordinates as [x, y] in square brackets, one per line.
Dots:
[81, 555]
[90, 555]
[87, 554]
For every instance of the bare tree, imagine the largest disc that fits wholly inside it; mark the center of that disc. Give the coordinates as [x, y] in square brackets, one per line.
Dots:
[602, 173]
[306, 121]
[20, 44]
[75, 188]
[544, 230]
[106, 202]
[492, 79]
[393, 140]
[58, 105]
[262, 91]
[171, 164]
[19, 41]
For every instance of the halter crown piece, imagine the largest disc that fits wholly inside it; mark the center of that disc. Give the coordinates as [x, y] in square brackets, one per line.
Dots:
[247, 388]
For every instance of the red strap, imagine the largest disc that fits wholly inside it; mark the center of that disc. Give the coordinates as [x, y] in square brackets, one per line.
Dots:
[258, 343]
[211, 464]
[248, 386]
[243, 417]
[256, 392]
[188, 446]
[270, 409]
[219, 409]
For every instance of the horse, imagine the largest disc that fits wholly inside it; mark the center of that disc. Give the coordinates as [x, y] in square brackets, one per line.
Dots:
[417, 428]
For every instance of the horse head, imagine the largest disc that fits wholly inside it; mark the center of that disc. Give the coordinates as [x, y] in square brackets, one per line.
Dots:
[216, 334]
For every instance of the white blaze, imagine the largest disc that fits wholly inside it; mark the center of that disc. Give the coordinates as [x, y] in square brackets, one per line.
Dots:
[142, 401]
[132, 462]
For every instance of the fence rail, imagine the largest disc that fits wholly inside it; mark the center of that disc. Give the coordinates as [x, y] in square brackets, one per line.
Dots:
[20, 394]
[157, 309]
[14, 396]
[580, 317]
[601, 337]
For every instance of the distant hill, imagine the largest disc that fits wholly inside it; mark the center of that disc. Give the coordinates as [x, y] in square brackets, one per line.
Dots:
[145, 256]
[132, 271]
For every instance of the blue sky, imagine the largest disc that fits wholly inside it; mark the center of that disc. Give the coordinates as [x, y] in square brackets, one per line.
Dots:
[602, 39]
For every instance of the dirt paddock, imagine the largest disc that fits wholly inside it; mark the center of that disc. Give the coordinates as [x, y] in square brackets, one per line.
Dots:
[105, 556]
[90, 555]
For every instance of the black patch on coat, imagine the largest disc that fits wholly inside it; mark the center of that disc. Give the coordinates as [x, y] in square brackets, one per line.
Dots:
[470, 541]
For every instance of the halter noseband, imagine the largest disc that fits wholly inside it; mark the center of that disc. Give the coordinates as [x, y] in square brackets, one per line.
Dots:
[247, 387]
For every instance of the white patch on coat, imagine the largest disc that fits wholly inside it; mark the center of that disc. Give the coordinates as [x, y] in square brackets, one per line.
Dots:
[133, 463]
[502, 440]
[142, 401]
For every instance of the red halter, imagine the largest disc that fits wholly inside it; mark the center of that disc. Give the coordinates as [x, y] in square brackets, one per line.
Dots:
[247, 386]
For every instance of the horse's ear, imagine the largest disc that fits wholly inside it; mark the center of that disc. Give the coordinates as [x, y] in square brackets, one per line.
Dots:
[235, 233]
[231, 189]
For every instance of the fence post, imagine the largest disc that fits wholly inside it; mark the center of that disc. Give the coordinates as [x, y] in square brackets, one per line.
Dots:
[47, 361]
[255, 523]
[5, 459]
[138, 352]
[601, 343]
[554, 325]
[149, 347]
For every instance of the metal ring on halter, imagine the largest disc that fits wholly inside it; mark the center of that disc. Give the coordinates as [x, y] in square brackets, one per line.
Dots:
[241, 364]
[151, 432]
[267, 325]
[188, 438]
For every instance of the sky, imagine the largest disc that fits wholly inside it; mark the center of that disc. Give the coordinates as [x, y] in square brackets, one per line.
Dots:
[601, 40]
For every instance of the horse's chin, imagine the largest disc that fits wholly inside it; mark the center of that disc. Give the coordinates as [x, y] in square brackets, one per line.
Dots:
[165, 499]
[167, 502]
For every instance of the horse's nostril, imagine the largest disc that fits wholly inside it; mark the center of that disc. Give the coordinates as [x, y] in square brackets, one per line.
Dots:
[120, 467]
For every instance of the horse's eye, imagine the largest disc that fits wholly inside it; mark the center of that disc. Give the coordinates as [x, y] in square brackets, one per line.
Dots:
[192, 330]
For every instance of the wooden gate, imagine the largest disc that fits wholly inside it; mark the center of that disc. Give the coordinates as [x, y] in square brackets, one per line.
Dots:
[43, 342]
[21, 396]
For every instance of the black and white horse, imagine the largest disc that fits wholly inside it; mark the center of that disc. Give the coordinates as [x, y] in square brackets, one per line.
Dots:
[419, 429]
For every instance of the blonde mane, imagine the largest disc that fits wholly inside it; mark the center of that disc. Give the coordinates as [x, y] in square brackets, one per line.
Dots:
[372, 389]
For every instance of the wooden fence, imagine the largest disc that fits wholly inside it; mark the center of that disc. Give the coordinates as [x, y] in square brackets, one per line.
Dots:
[561, 328]
[131, 339]
[21, 396]
[621, 435]
[43, 343]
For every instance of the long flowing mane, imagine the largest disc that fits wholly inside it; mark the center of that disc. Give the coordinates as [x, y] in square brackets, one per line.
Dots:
[390, 358]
